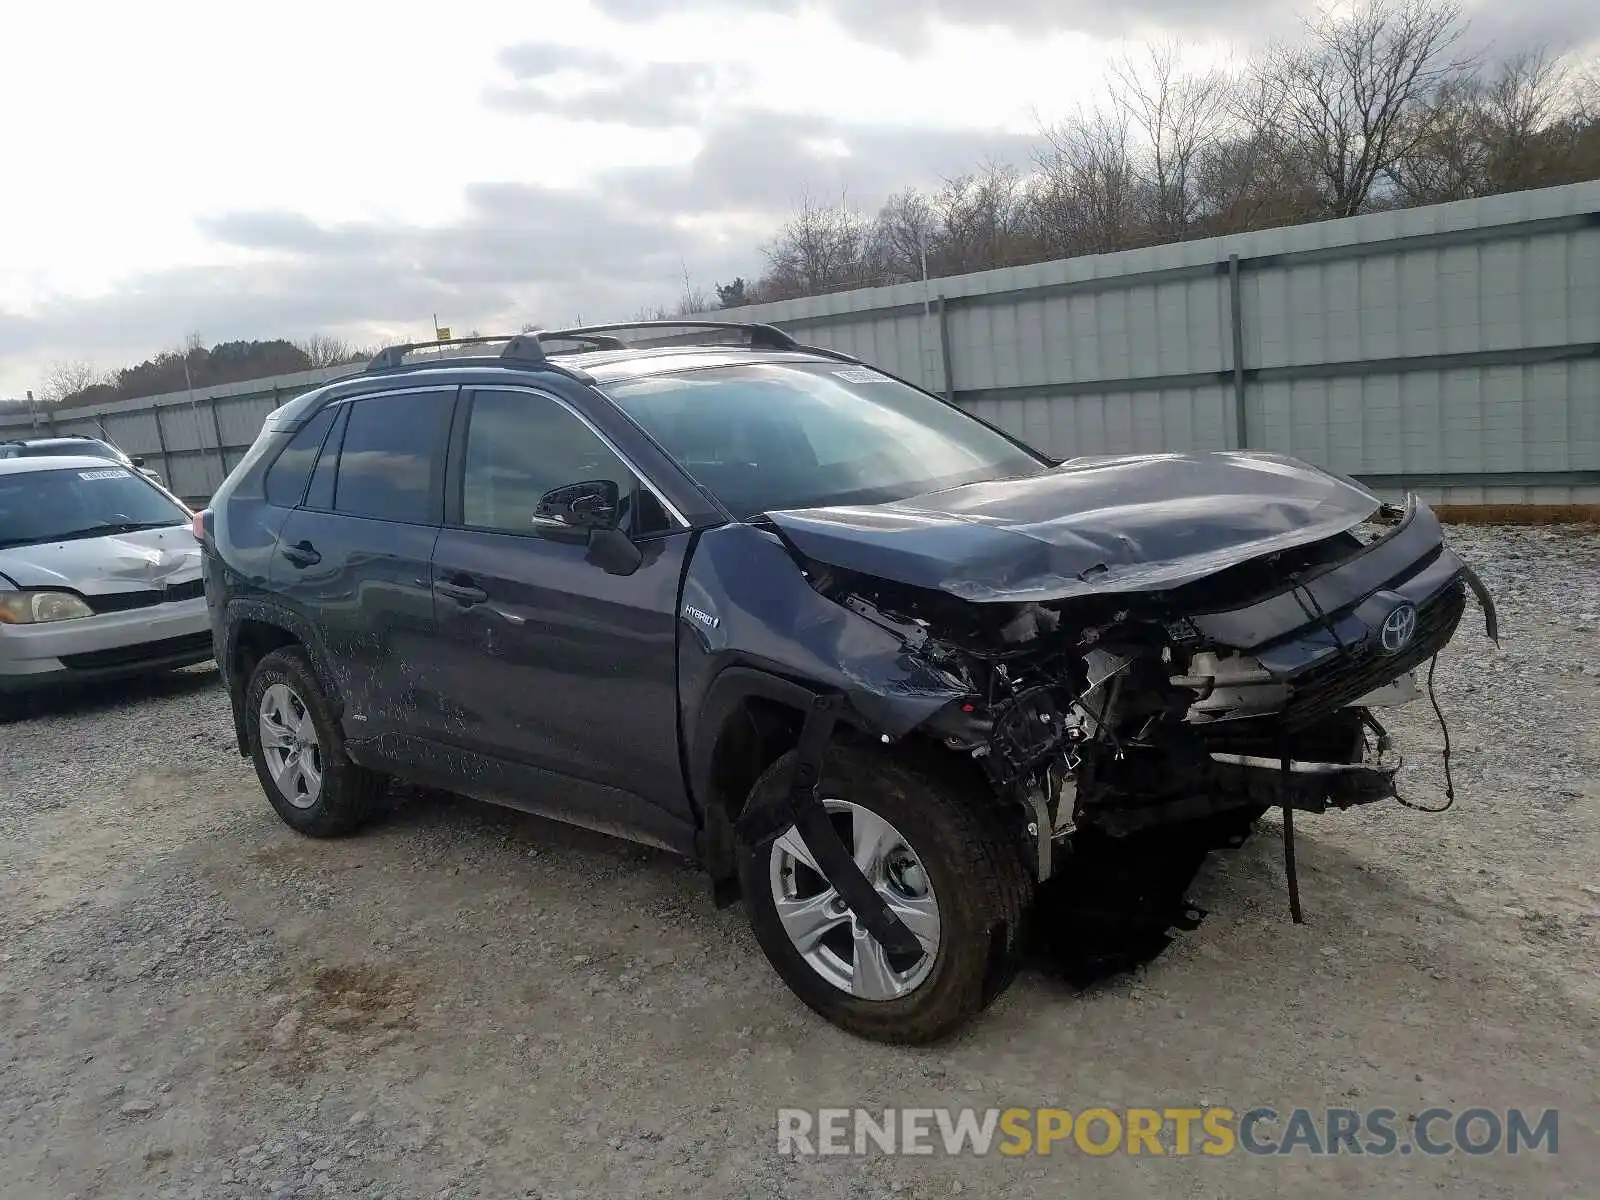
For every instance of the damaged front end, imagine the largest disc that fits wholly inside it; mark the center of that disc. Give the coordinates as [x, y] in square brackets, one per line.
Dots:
[1117, 713]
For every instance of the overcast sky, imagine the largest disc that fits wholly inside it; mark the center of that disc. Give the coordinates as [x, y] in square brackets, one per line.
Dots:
[352, 168]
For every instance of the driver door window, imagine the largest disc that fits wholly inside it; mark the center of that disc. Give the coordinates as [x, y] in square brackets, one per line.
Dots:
[520, 446]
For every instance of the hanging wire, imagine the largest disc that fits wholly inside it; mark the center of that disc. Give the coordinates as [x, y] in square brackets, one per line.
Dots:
[1449, 782]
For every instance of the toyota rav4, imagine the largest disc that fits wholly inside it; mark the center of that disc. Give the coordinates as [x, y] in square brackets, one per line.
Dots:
[885, 672]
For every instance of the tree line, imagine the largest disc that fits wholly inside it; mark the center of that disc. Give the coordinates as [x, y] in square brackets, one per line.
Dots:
[75, 383]
[1373, 107]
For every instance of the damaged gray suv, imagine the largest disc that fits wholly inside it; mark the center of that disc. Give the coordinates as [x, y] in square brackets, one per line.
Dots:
[914, 691]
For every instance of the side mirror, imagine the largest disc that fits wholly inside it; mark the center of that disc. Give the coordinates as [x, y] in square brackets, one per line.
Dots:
[590, 513]
[594, 504]
[137, 460]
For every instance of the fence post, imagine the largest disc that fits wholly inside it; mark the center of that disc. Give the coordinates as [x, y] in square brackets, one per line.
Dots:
[222, 455]
[944, 350]
[1241, 415]
[166, 458]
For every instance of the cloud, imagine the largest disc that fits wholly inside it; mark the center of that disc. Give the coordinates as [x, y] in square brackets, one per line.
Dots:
[520, 252]
[907, 24]
[769, 162]
[1558, 25]
[649, 96]
[537, 60]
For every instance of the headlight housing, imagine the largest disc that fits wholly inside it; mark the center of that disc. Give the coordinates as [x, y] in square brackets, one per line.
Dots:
[31, 608]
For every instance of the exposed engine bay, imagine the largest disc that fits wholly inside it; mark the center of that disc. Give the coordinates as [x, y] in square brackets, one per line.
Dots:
[1133, 711]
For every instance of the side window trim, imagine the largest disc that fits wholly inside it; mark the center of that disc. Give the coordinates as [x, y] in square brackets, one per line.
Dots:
[438, 467]
[458, 454]
[331, 445]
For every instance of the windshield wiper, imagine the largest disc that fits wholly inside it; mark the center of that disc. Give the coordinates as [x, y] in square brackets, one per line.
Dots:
[104, 529]
[134, 526]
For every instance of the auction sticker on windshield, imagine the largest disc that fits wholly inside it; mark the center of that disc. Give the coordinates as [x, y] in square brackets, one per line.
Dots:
[861, 375]
[108, 473]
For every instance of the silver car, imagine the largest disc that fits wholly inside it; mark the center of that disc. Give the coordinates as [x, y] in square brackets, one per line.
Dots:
[74, 445]
[99, 575]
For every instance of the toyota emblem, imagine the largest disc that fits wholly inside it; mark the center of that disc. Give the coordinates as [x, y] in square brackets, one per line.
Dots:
[1399, 627]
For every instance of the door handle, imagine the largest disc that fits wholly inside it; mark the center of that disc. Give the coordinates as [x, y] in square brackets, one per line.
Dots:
[462, 591]
[302, 554]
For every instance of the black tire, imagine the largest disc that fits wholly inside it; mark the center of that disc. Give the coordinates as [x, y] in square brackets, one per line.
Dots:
[348, 793]
[980, 880]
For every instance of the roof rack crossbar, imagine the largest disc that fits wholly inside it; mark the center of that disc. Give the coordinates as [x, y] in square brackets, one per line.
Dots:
[520, 347]
[762, 337]
[594, 341]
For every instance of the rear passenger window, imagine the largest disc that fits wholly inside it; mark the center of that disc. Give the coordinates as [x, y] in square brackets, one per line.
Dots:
[286, 478]
[390, 449]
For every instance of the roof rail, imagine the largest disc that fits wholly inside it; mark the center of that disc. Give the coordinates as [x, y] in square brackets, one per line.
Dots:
[762, 337]
[520, 347]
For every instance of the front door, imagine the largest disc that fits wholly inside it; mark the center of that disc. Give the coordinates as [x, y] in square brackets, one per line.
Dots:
[560, 675]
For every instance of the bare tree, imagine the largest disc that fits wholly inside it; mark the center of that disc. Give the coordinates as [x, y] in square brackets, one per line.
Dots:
[692, 299]
[983, 221]
[324, 351]
[1523, 105]
[822, 248]
[1086, 199]
[1445, 157]
[1179, 118]
[1481, 134]
[1585, 87]
[1254, 177]
[903, 234]
[1348, 93]
[68, 378]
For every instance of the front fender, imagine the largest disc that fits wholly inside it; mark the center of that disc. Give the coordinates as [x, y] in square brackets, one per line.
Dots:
[745, 603]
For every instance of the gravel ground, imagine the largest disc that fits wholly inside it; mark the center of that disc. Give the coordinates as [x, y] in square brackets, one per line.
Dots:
[468, 1002]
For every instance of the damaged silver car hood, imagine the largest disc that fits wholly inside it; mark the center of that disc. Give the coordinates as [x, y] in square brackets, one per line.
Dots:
[1090, 526]
[119, 562]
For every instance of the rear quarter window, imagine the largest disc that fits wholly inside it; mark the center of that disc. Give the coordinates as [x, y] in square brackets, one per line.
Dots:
[286, 480]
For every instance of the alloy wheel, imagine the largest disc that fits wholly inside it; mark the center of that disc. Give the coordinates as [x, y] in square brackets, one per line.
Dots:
[289, 744]
[823, 928]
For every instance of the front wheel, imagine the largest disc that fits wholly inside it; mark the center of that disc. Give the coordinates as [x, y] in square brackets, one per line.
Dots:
[298, 750]
[941, 861]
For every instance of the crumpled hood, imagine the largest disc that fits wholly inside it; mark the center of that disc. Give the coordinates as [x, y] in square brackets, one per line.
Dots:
[1091, 526]
[120, 562]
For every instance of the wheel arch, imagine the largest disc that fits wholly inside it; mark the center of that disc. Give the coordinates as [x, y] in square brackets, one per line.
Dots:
[748, 720]
[252, 630]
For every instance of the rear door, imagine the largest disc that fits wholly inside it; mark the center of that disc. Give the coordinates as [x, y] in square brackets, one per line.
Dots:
[353, 557]
[561, 675]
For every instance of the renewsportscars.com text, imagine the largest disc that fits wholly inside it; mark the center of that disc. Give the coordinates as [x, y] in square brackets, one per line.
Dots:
[1166, 1131]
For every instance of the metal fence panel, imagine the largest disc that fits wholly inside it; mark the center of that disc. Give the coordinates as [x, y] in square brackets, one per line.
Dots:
[1453, 349]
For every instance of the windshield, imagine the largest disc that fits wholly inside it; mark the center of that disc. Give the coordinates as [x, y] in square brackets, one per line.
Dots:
[768, 436]
[79, 502]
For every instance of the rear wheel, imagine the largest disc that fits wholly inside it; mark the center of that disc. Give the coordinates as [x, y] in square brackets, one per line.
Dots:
[298, 750]
[941, 862]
